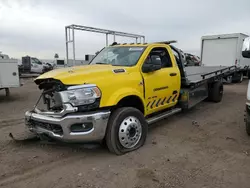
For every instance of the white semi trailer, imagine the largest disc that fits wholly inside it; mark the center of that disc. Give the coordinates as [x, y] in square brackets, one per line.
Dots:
[225, 50]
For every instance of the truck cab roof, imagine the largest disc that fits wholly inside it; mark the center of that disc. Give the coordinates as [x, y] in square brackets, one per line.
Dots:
[144, 44]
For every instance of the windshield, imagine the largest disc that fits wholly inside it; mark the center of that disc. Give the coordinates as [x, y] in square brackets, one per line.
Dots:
[119, 56]
[35, 60]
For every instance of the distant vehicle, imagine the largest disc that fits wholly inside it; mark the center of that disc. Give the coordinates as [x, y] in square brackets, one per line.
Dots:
[225, 50]
[49, 65]
[4, 56]
[192, 60]
[34, 65]
[9, 76]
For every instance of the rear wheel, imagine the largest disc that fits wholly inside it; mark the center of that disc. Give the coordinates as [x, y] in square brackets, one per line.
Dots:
[238, 78]
[215, 93]
[127, 130]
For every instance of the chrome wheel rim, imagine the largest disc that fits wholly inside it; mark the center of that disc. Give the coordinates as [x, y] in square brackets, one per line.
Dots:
[130, 132]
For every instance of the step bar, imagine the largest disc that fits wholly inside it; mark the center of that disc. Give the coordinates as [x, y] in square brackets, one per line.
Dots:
[163, 115]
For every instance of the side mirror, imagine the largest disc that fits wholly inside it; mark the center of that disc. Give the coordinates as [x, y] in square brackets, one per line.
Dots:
[151, 66]
[246, 48]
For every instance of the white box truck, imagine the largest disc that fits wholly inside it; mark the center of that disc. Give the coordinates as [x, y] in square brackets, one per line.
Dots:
[225, 50]
[9, 75]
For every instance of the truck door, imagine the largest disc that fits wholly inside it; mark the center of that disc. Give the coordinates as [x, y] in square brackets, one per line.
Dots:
[161, 86]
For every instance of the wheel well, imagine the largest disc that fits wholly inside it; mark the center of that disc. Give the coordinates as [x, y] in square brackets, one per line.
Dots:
[131, 101]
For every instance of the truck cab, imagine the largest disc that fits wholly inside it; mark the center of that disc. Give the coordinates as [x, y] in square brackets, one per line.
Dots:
[125, 88]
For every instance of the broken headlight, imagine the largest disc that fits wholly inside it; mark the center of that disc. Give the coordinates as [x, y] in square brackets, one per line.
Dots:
[80, 95]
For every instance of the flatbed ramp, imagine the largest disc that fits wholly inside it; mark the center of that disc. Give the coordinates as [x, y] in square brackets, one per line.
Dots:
[196, 74]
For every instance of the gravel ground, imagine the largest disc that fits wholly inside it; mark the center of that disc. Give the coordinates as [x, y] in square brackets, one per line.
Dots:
[205, 147]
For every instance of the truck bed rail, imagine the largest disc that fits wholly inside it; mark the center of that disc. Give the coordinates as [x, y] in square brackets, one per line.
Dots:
[226, 70]
[196, 75]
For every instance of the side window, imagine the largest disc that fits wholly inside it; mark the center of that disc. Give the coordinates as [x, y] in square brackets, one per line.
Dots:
[162, 55]
[33, 61]
[156, 58]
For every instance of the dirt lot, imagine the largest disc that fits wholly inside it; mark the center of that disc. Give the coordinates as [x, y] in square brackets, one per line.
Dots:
[206, 147]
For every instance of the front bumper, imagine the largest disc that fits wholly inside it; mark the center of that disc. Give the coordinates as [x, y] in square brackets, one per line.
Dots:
[60, 128]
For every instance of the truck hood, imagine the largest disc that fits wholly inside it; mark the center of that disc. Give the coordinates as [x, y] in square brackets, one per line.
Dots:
[82, 74]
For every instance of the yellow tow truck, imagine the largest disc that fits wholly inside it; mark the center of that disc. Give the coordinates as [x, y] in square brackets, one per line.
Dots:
[125, 88]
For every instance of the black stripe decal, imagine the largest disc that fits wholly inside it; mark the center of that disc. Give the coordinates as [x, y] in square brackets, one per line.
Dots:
[152, 104]
[163, 101]
[144, 92]
[158, 102]
[174, 98]
[148, 104]
[169, 99]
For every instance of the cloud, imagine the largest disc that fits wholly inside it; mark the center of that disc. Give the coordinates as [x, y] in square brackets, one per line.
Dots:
[37, 27]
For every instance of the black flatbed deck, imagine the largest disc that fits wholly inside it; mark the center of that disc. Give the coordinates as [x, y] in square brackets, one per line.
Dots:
[196, 74]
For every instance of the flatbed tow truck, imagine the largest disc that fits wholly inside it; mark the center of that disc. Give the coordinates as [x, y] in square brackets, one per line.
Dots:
[123, 90]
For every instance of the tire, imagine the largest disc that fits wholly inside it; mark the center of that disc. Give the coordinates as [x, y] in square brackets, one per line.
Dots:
[247, 122]
[238, 78]
[215, 93]
[127, 130]
[248, 127]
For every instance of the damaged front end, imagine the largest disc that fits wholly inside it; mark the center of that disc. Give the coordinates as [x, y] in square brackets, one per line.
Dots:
[68, 113]
[52, 103]
[50, 96]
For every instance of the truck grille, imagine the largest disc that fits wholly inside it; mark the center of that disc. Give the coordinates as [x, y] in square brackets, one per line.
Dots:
[57, 129]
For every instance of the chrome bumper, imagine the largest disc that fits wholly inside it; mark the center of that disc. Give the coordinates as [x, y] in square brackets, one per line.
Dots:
[98, 120]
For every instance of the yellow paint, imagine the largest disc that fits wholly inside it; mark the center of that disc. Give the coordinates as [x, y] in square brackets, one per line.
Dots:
[114, 87]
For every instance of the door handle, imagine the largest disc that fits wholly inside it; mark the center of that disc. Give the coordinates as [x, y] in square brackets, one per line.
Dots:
[173, 74]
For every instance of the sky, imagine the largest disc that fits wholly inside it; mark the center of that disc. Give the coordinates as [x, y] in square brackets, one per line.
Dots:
[37, 27]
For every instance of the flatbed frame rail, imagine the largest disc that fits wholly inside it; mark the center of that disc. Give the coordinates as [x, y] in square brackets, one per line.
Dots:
[219, 72]
[70, 30]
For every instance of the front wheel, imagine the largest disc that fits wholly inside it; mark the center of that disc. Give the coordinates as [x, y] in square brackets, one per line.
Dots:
[248, 128]
[247, 120]
[127, 130]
